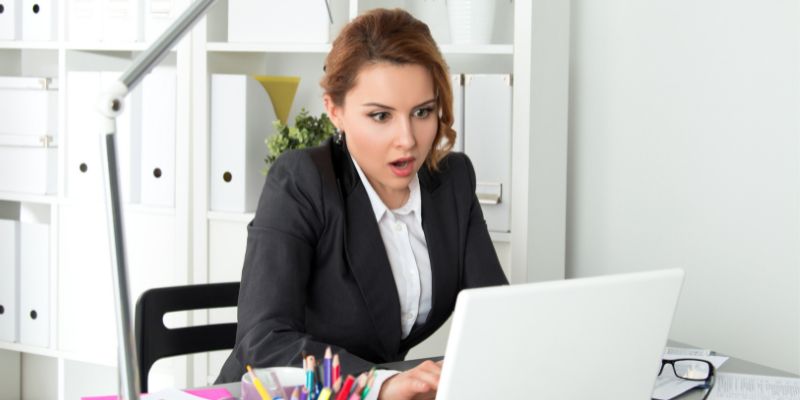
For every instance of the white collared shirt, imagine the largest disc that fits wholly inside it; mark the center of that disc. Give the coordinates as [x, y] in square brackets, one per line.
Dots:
[404, 239]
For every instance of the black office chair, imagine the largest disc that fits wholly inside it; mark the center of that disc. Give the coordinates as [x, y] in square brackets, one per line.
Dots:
[155, 341]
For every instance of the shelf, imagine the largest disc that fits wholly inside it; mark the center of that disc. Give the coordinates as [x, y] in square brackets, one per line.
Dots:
[101, 46]
[477, 49]
[23, 348]
[109, 361]
[500, 237]
[226, 47]
[21, 45]
[324, 48]
[145, 209]
[230, 216]
[29, 198]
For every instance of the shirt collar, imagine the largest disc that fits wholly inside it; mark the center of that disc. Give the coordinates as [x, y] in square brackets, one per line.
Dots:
[413, 204]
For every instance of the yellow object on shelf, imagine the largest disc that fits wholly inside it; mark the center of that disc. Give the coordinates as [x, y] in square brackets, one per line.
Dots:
[281, 90]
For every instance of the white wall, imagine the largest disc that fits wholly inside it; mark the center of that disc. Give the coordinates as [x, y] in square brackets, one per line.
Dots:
[684, 152]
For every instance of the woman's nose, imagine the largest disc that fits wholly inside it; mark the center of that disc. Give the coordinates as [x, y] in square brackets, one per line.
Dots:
[404, 136]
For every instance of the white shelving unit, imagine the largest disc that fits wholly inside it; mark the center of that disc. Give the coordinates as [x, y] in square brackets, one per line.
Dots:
[82, 340]
[190, 243]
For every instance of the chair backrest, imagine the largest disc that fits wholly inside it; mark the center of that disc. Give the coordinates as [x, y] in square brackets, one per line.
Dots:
[155, 341]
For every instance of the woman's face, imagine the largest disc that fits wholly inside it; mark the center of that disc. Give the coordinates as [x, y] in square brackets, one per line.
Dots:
[390, 119]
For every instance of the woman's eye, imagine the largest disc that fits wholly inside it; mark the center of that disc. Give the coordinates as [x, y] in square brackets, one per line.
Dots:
[423, 112]
[379, 116]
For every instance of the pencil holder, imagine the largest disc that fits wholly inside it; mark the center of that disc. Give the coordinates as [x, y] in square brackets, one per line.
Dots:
[288, 379]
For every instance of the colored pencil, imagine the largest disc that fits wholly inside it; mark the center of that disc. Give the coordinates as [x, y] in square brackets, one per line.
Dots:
[370, 381]
[328, 368]
[324, 394]
[348, 384]
[257, 383]
[296, 393]
[337, 368]
[310, 364]
[277, 383]
[337, 384]
[361, 383]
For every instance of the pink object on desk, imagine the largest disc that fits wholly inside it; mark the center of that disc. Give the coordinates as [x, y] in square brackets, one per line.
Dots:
[210, 394]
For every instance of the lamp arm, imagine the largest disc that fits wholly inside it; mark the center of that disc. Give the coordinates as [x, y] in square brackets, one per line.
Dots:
[110, 105]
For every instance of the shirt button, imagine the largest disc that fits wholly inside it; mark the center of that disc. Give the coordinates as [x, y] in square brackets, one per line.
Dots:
[398, 227]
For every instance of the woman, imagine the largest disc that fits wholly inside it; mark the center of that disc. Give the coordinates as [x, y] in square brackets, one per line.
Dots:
[364, 242]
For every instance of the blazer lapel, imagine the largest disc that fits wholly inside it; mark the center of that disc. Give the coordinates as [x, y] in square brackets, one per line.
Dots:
[441, 229]
[366, 256]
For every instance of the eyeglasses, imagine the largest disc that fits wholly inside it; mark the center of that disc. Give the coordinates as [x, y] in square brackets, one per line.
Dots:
[692, 369]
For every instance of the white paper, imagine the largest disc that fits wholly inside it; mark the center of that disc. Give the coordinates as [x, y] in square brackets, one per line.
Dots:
[668, 386]
[170, 394]
[754, 387]
[681, 351]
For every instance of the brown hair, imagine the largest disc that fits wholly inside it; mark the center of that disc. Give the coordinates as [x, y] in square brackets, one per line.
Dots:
[396, 37]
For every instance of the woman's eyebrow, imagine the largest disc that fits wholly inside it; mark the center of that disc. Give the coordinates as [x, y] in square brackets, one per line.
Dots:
[373, 104]
[377, 105]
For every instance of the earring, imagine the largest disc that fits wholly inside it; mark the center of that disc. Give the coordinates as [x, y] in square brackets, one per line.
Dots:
[338, 135]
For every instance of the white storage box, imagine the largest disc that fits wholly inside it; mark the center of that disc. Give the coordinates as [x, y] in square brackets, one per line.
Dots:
[84, 20]
[28, 106]
[278, 21]
[121, 20]
[159, 15]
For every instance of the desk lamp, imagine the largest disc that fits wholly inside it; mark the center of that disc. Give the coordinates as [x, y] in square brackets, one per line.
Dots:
[110, 105]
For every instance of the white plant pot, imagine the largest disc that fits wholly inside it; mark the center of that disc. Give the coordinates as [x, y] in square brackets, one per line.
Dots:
[471, 21]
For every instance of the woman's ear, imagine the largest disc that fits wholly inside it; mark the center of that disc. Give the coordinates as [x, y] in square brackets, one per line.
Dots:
[333, 111]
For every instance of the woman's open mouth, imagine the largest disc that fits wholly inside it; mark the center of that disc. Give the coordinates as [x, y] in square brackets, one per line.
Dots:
[402, 167]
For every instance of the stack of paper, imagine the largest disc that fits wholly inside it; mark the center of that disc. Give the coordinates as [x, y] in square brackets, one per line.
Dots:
[754, 387]
[669, 386]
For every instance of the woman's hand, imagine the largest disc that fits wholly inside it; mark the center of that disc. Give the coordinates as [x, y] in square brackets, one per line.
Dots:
[415, 384]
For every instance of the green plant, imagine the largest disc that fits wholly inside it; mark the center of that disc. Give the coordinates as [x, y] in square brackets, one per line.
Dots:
[308, 131]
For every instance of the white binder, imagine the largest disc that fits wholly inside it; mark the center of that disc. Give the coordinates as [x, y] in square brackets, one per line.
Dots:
[271, 21]
[241, 119]
[84, 169]
[39, 19]
[8, 280]
[84, 175]
[84, 20]
[122, 20]
[159, 14]
[457, 84]
[487, 141]
[34, 288]
[157, 162]
[11, 20]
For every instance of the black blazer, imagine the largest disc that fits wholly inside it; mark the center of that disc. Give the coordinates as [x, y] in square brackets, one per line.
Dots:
[316, 271]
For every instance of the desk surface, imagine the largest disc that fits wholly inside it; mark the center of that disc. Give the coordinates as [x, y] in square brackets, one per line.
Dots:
[732, 365]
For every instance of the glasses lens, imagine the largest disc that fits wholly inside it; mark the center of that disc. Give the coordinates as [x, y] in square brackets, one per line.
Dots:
[692, 370]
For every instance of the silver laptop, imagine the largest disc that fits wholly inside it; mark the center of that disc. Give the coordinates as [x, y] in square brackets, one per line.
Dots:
[592, 338]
